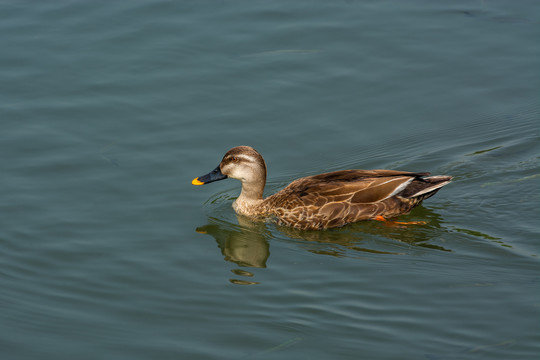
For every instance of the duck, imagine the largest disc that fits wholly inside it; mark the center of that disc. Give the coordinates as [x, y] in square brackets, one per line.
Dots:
[323, 201]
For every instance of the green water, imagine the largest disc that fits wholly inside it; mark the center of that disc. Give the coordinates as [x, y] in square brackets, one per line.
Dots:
[110, 109]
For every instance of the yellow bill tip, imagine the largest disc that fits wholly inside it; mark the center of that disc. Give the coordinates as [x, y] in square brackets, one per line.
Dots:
[197, 182]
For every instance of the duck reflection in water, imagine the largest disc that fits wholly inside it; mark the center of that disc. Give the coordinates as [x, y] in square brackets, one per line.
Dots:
[247, 243]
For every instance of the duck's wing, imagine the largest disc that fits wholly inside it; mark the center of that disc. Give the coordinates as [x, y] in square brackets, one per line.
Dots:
[354, 175]
[352, 186]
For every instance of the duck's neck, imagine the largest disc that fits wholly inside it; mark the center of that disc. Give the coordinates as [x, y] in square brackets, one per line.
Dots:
[250, 199]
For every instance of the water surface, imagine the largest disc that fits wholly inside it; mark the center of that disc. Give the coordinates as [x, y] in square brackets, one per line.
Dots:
[109, 109]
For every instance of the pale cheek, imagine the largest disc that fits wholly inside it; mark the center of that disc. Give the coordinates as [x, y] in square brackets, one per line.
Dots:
[234, 174]
[239, 174]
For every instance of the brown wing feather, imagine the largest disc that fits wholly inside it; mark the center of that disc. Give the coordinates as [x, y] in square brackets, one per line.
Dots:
[352, 175]
[353, 186]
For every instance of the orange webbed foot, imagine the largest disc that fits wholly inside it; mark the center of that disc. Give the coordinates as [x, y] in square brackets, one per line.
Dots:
[393, 223]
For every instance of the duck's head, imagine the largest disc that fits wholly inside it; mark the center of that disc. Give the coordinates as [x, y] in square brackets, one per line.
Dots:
[243, 163]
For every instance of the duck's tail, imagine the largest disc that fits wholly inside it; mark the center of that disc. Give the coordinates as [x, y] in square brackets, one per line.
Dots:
[424, 187]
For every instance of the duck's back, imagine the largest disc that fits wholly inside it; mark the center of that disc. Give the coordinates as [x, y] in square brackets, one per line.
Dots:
[337, 198]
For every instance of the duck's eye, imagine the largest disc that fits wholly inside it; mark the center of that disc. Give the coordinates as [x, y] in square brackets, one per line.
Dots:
[234, 159]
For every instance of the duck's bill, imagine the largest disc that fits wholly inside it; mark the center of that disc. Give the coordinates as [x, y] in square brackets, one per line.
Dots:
[214, 175]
